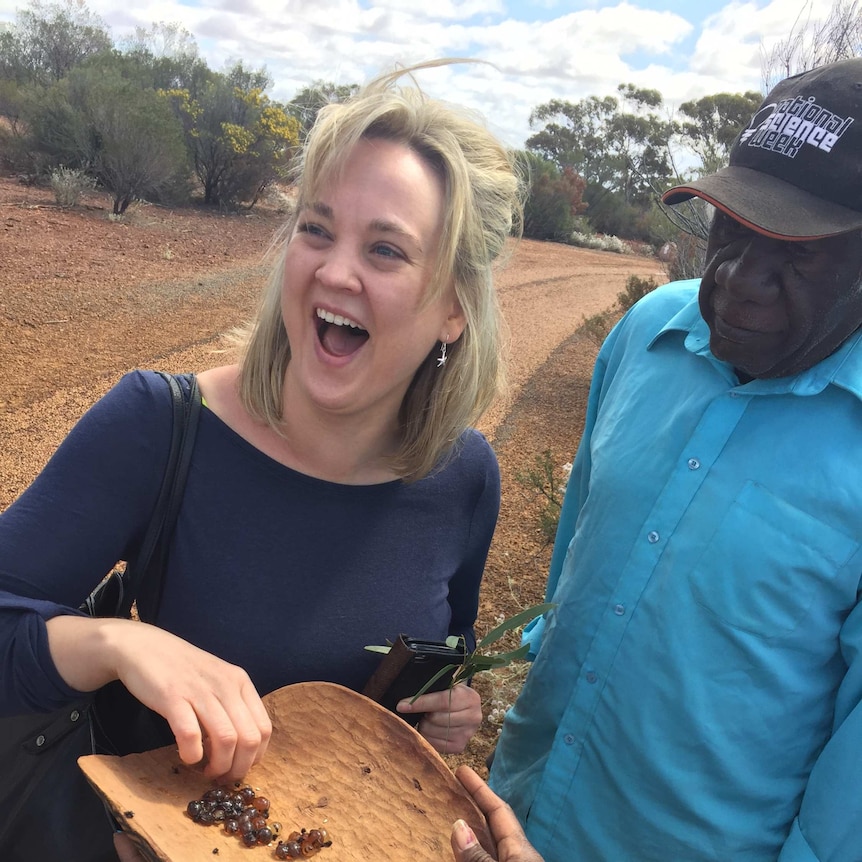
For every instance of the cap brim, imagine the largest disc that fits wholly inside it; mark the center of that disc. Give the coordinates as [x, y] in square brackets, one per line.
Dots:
[768, 205]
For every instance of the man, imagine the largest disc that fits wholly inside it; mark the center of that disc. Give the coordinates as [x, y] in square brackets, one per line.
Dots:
[698, 690]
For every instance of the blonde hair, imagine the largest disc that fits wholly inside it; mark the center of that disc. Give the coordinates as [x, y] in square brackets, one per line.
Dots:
[483, 208]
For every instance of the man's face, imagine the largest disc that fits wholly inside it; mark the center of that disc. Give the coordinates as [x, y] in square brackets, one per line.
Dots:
[774, 307]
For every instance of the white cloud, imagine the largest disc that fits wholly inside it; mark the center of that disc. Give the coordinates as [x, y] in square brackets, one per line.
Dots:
[577, 54]
[733, 39]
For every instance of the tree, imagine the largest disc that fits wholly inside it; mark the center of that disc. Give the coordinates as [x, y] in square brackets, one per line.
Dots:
[136, 147]
[712, 124]
[573, 134]
[100, 120]
[306, 104]
[169, 54]
[240, 141]
[52, 129]
[613, 149]
[814, 42]
[555, 199]
[163, 40]
[50, 39]
[618, 145]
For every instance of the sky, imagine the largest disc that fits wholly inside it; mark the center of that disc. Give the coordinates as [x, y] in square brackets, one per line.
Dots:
[534, 51]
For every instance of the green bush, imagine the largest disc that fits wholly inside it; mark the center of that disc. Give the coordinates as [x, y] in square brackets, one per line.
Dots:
[598, 327]
[636, 288]
[554, 200]
[542, 479]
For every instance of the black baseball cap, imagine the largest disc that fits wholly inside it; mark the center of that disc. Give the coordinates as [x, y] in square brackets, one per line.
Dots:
[795, 171]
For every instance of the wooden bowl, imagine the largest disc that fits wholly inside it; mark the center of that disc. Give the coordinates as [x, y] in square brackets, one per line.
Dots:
[336, 760]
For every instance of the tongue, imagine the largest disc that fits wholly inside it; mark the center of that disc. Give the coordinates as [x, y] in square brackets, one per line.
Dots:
[342, 340]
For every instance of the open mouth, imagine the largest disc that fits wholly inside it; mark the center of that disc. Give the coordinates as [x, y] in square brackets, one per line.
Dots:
[339, 336]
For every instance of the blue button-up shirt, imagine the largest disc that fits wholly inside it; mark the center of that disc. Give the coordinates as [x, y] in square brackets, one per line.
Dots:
[696, 693]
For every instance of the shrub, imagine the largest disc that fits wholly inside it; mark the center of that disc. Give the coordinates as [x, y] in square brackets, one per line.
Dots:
[598, 327]
[542, 479]
[636, 288]
[554, 201]
[602, 243]
[68, 184]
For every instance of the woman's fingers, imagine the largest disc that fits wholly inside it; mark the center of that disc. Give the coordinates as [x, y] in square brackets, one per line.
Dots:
[212, 707]
[450, 717]
[126, 850]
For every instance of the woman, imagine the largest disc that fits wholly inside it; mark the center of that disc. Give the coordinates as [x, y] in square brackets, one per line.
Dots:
[336, 495]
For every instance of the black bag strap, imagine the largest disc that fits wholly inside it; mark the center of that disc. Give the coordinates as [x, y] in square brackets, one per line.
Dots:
[151, 568]
[142, 578]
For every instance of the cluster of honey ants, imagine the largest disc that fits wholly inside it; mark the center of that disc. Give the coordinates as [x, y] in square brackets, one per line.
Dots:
[242, 812]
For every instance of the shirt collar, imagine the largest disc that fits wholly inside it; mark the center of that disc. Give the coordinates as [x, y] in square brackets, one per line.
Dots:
[842, 368]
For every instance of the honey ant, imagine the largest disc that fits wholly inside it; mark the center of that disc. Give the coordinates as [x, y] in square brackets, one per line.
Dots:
[303, 844]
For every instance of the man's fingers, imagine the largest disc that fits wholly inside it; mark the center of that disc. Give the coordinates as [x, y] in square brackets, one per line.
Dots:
[466, 846]
[488, 801]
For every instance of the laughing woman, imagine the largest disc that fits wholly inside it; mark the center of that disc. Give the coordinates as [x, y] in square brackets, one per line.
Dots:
[337, 495]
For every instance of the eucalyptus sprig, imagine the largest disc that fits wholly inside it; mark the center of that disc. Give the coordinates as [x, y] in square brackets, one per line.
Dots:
[476, 661]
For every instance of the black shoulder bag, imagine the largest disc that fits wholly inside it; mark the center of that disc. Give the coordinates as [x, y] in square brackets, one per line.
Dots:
[48, 811]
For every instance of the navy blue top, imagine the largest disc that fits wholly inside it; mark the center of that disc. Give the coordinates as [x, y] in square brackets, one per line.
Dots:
[283, 574]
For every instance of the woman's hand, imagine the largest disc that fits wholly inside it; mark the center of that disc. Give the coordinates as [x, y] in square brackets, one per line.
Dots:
[211, 706]
[451, 717]
[512, 844]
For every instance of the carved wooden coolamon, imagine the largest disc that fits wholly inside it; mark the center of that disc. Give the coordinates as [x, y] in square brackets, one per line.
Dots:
[336, 760]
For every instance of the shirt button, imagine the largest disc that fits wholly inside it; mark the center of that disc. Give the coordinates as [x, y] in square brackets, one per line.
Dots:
[619, 609]
[591, 676]
[734, 395]
[569, 739]
[653, 537]
[693, 464]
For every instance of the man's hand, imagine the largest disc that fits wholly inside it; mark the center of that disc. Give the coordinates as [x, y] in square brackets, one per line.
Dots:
[512, 844]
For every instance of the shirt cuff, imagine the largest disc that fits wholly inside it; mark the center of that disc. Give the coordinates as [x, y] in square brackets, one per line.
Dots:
[532, 635]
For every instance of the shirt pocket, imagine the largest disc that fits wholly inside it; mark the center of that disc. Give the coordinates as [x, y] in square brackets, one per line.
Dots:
[766, 563]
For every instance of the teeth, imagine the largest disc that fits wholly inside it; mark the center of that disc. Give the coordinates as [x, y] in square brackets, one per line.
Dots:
[337, 319]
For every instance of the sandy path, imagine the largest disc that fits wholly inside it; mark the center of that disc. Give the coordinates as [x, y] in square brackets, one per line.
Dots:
[545, 293]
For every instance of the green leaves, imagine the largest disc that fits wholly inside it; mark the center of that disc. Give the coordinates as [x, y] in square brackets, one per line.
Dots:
[513, 622]
[384, 650]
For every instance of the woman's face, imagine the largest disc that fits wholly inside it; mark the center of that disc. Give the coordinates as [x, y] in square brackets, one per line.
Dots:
[357, 268]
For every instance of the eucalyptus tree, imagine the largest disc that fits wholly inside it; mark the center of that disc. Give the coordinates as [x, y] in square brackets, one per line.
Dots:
[309, 100]
[47, 40]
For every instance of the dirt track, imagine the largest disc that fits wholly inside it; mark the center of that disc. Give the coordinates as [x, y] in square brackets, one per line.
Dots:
[84, 299]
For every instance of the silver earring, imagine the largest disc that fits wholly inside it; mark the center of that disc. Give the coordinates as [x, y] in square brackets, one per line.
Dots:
[441, 359]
